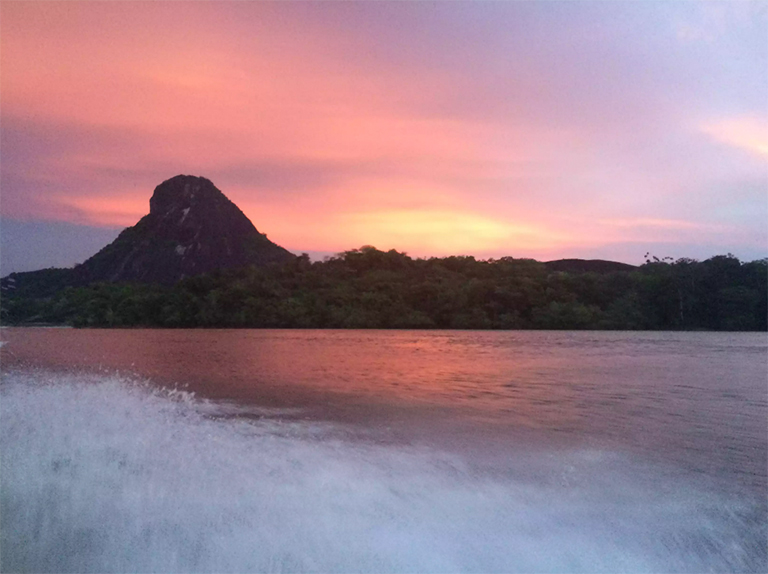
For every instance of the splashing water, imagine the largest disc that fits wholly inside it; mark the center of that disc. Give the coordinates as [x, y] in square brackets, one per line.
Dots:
[104, 473]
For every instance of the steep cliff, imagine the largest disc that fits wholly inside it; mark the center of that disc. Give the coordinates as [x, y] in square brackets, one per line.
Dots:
[191, 228]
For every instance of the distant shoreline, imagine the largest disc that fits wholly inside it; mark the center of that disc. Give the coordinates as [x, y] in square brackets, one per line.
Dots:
[215, 328]
[371, 289]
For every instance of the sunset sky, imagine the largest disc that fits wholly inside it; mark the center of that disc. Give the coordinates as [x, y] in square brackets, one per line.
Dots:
[528, 129]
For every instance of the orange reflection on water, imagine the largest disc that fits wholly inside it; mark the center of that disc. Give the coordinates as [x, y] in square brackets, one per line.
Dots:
[466, 371]
[697, 397]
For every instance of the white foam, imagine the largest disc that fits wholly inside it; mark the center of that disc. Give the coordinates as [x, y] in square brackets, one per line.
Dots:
[100, 473]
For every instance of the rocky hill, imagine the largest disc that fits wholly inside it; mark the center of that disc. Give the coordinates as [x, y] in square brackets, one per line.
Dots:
[191, 228]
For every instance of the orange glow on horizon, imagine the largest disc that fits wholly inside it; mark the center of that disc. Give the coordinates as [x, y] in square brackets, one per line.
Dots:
[440, 232]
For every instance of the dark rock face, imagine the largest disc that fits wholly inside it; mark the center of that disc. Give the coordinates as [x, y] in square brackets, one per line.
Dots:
[192, 228]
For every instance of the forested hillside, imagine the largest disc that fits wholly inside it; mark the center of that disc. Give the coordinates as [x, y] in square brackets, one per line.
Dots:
[368, 288]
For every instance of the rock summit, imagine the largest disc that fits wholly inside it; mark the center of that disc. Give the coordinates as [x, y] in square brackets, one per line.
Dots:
[191, 228]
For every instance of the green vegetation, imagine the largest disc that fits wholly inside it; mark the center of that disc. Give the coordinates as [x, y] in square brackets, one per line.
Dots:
[368, 288]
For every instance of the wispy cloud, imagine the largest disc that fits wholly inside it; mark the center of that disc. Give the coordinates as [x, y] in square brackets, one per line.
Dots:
[749, 133]
[673, 224]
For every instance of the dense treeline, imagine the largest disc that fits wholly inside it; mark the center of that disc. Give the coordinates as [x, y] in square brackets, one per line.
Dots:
[368, 288]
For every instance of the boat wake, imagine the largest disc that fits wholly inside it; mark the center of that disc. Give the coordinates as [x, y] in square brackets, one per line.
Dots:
[105, 473]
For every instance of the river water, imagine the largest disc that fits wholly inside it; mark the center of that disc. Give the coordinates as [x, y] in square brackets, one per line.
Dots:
[383, 451]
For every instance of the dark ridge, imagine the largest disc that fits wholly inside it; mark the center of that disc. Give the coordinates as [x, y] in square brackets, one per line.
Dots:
[41, 283]
[587, 266]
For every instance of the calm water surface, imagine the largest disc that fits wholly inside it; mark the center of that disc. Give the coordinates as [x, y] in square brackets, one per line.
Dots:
[388, 450]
